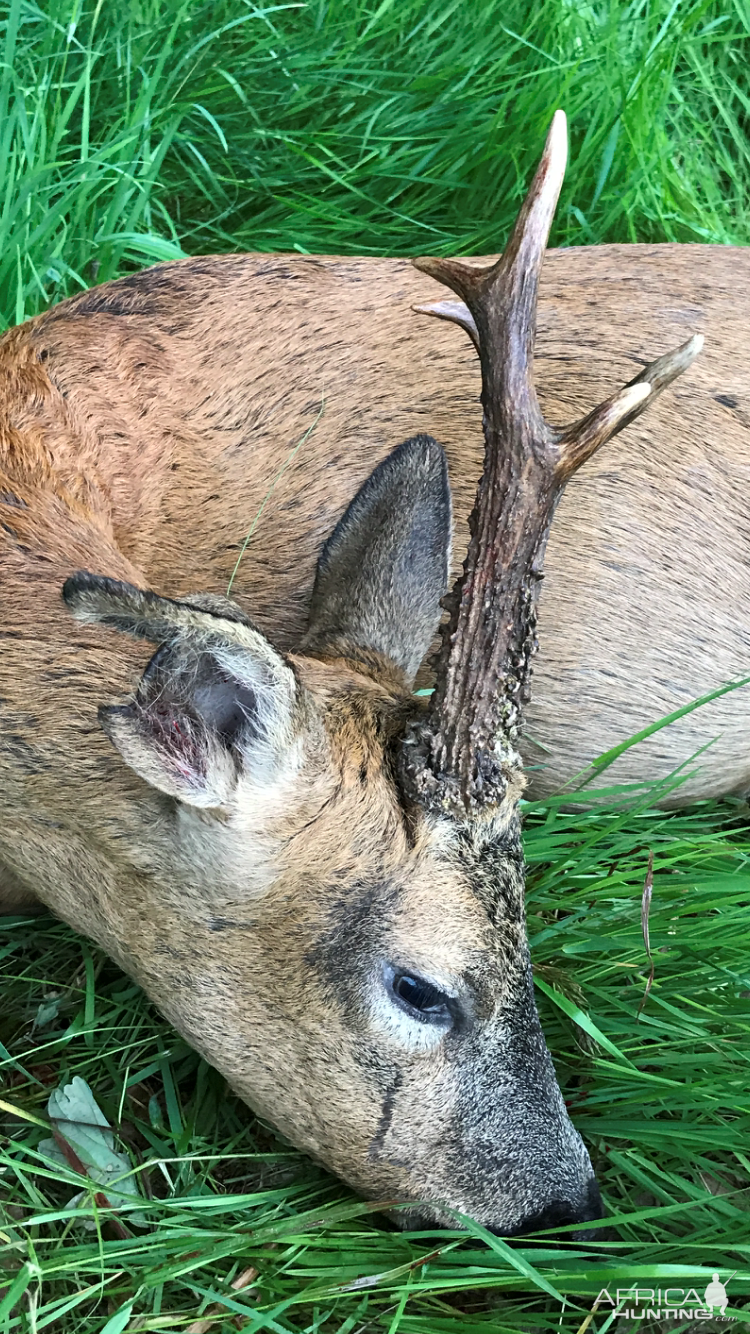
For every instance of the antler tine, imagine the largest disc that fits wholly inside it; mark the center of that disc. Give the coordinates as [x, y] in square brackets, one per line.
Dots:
[455, 311]
[578, 442]
[502, 299]
[460, 758]
[527, 243]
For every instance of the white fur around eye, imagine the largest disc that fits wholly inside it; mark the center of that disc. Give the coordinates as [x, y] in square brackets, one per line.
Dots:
[397, 1024]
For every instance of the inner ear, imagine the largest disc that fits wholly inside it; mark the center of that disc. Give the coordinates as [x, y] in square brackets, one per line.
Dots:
[385, 567]
[200, 719]
[216, 701]
[227, 707]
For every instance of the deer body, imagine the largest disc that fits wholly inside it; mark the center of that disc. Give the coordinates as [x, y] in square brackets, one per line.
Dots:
[255, 851]
[187, 387]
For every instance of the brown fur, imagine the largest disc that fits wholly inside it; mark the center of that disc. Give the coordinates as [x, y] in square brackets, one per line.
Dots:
[142, 426]
[187, 387]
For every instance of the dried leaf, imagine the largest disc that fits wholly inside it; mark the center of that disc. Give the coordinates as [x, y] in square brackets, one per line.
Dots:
[83, 1139]
[47, 1011]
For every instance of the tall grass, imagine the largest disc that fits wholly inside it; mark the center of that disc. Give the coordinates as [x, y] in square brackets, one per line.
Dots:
[131, 132]
[140, 131]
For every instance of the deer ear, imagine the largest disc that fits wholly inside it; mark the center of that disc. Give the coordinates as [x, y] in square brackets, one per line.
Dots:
[384, 569]
[215, 704]
[201, 720]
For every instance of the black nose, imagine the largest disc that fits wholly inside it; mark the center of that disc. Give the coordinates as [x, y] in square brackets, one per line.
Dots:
[561, 1213]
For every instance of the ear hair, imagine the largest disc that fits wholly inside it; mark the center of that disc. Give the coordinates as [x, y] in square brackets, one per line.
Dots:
[97, 600]
[384, 569]
[216, 699]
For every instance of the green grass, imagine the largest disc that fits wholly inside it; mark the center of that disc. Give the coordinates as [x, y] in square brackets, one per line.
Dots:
[130, 132]
[139, 131]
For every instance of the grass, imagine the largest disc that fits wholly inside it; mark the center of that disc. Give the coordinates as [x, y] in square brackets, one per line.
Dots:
[141, 131]
[133, 132]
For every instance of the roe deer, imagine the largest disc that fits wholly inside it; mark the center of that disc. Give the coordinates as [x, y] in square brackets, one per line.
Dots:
[317, 878]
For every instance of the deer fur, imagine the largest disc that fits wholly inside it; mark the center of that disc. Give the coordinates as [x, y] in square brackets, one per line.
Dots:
[176, 396]
[141, 427]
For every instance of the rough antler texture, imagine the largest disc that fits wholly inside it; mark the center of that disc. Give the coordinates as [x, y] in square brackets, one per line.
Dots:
[461, 756]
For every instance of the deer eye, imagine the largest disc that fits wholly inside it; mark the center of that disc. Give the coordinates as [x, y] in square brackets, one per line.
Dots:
[418, 997]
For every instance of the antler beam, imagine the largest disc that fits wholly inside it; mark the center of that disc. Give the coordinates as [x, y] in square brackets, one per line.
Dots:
[461, 756]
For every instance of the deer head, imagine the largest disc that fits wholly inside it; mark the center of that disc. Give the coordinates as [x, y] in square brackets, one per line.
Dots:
[334, 910]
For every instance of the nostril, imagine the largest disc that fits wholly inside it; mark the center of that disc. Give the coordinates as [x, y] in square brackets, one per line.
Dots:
[557, 1214]
[594, 1207]
[561, 1213]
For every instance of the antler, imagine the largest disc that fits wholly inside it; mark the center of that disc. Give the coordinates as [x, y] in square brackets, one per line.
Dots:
[461, 757]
